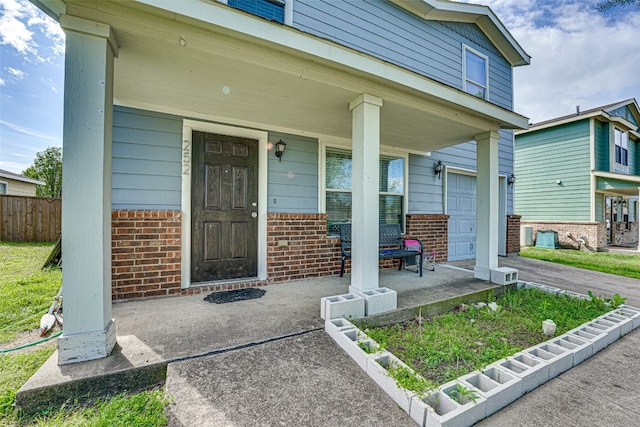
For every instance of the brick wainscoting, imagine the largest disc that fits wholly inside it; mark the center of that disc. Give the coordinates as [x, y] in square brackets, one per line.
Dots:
[298, 247]
[433, 231]
[513, 234]
[593, 233]
[145, 253]
[146, 257]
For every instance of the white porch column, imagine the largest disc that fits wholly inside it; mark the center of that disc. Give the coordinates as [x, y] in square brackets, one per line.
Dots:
[638, 218]
[89, 331]
[365, 111]
[487, 234]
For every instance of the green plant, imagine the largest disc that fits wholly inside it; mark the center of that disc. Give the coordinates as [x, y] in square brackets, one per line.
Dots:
[366, 346]
[409, 380]
[462, 394]
[618, 300]
[601, 303]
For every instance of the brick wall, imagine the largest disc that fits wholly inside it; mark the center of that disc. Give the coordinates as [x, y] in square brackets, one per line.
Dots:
[298, 247]
[590, 232]
[146, 257]
[145, 253]
[513, 234]
[433, 231]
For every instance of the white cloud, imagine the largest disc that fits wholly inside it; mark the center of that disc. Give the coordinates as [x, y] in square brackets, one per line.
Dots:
[13, 31]
[20, 22]
[18, 74]
[579, 56]
[28, 131]
[2, 83]
[15, 167]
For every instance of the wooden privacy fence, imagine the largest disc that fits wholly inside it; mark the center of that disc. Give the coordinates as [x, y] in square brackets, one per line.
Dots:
[30, 219]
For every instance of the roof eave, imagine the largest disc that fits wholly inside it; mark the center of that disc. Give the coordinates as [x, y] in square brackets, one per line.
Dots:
[53, 8]
[483, 16]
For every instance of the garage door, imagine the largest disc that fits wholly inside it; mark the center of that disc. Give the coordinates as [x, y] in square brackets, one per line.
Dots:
[461, 207]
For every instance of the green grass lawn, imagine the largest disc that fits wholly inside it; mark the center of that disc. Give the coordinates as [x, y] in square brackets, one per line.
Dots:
[620, 264]
[26, 293]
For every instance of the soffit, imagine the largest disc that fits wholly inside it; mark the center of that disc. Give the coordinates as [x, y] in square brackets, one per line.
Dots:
[185, 65]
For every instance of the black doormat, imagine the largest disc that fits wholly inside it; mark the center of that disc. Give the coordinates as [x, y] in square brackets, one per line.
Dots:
[235, 295]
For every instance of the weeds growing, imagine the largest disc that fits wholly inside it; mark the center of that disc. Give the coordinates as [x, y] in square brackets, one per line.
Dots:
[448, 346]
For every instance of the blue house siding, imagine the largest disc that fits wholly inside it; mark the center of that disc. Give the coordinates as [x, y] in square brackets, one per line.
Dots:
[385, 31]
[292, 185]
[425, 189]
[145, 160]
[553, 170]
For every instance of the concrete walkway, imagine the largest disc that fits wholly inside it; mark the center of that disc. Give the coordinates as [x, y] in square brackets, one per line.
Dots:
[268, 362]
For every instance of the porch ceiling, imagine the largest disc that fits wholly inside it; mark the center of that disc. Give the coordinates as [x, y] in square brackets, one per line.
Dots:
[198, 70]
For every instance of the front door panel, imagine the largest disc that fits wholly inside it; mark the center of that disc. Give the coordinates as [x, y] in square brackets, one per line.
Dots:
[224, 224]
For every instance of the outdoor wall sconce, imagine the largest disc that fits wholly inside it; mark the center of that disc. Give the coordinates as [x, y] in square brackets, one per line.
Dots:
[280, 146]
[621, 201]
[511, 180]
[438, 168]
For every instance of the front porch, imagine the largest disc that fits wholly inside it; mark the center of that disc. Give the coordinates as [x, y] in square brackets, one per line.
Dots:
[155, 332]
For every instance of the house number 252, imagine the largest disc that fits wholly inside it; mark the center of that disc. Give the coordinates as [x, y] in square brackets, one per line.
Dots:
[186, 157]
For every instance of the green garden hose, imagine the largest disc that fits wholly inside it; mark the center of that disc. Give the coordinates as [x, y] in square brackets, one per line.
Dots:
[7, 350]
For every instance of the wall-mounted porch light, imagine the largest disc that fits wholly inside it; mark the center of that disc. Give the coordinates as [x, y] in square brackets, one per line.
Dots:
[438, 168]
[280, 146]
[511, 180]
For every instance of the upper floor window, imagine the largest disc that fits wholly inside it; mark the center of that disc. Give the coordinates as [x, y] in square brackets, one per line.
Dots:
[338, 174]
[476, 71]
[269, 9]
[622, 147]
[3, 187]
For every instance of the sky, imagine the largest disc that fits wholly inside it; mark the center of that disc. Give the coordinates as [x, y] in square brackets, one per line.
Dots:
[579, 57]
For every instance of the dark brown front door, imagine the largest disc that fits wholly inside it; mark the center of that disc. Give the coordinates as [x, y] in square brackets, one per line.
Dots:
[224, 206]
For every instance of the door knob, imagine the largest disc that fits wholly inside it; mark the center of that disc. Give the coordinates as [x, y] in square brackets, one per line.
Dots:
[254, 214]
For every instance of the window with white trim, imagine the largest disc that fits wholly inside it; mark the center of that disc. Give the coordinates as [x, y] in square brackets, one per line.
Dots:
[4, 187]
[621, 140]
[475, 67]
[338, 174]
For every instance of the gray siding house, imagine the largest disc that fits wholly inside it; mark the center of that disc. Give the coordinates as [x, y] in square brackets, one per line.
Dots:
[220, 143]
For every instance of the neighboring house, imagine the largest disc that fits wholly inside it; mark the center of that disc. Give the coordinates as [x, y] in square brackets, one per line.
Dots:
[13, 184]
[579, 175]
[176, 113]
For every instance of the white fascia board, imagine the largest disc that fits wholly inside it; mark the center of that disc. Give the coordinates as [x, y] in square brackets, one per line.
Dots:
[282, 35]
[623, 123]
[53, 8]
[483, 16]
[554, 123]
[598, 115]
[21, 178]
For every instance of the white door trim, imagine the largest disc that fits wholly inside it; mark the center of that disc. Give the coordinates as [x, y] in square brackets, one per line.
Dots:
[188, 126]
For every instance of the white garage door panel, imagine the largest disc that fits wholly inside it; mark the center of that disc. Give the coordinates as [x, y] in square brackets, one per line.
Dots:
[461, 207]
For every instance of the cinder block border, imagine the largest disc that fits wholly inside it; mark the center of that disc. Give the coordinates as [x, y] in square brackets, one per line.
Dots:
[501, 382]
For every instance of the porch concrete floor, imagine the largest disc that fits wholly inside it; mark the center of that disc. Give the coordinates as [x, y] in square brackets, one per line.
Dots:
[156, 332]
[296, 375]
